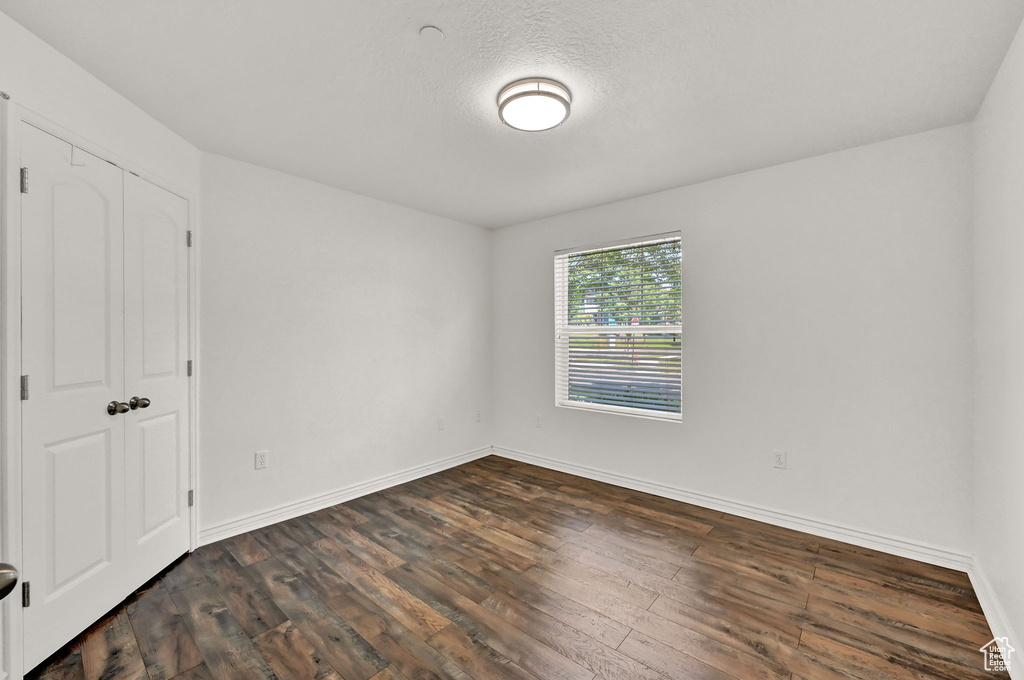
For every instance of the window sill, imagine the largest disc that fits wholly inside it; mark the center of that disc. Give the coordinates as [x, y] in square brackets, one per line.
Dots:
[622, 411]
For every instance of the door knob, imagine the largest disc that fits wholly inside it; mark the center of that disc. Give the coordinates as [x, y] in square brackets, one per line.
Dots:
[8, 579]
[138, 402]
[115, 407]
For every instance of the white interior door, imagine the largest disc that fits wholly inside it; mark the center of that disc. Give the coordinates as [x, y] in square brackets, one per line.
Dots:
[156, 349]
[105, 431]
[73, 355]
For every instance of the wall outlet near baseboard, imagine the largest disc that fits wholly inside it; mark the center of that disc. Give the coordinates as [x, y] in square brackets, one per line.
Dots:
[262, 460]
[538, 422]
[779, 459]
[440, 423]
[478, 418]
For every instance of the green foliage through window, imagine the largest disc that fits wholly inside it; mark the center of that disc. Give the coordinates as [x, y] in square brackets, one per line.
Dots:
[638, 285]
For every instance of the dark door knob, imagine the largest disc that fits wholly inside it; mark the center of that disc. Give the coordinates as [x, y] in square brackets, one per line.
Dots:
[138, 402]
[8, 579]
[115, 407]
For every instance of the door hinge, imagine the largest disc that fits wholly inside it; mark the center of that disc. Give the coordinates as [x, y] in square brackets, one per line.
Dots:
[188, 238]
[24, 388]
[26, 596]
[189, 367]
[191, 498]
[24, 180]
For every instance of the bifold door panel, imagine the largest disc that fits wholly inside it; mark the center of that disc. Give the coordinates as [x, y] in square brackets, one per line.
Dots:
[73, 349]
[104, 495]
[156, 350]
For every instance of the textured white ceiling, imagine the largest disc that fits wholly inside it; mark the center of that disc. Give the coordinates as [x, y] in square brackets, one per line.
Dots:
[665, 92]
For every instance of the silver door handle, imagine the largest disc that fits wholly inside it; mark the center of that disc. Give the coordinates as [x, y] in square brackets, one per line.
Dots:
[138, 402]
[8, 579]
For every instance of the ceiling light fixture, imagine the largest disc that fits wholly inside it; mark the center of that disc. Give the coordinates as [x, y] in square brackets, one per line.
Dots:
[534, 104]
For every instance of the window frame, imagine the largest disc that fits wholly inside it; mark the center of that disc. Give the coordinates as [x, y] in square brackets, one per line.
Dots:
[563, 330]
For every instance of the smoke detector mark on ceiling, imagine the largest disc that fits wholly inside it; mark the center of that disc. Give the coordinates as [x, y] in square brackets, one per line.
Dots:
[431, 35]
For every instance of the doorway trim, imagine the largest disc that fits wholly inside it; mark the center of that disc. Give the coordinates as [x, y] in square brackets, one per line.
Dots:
[12, 116]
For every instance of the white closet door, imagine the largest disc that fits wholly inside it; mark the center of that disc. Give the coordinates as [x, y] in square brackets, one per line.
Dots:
[156, 347]
[73, 353]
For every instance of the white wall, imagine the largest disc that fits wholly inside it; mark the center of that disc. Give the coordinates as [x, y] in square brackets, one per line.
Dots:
[999, 400]
[826, 311]
[336, 329]
[45, 83]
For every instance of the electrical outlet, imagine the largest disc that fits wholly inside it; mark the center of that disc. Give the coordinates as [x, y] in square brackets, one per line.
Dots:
[440, 423]
[538, 422]
[262, 460]
[478, 416]
[780, 459]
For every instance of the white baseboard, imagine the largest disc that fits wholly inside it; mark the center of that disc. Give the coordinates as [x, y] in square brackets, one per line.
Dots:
[321, 501]
[943, 557]
[997, 618]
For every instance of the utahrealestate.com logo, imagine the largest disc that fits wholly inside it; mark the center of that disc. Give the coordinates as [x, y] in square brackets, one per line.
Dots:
[997, 654]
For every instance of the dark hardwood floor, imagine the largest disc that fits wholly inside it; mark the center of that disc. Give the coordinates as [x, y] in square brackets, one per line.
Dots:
[496, 569]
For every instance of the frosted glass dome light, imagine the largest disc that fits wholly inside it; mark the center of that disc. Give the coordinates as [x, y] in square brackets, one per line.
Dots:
[534, 104]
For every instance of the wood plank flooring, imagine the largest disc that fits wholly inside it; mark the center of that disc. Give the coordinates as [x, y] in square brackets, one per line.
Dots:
[497, 570]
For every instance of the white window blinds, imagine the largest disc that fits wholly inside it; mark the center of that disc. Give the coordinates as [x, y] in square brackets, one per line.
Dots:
[618, 327]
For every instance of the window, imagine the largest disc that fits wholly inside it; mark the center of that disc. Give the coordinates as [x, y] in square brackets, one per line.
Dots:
[618, 327]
